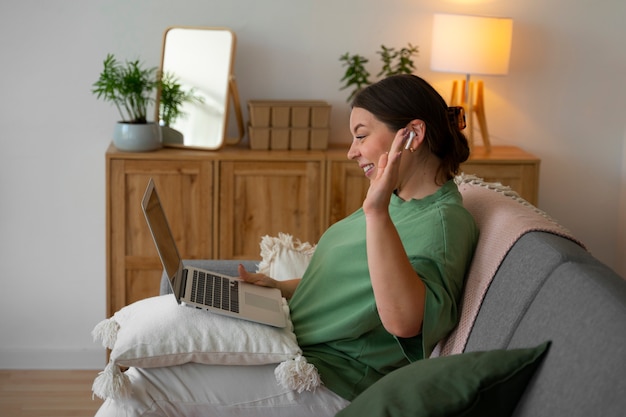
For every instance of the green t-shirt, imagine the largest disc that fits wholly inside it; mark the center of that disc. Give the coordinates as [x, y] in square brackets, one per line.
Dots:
[334, 311]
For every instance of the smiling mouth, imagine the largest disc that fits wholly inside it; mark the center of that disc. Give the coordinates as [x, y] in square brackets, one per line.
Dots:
[368, 168]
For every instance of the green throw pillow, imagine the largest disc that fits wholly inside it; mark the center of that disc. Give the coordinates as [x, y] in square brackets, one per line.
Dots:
[470, 384]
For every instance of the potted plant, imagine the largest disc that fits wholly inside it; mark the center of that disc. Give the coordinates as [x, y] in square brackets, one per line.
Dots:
[129, 87]
[172, 97]
[397, 62]
[356, 76]
[394, 62]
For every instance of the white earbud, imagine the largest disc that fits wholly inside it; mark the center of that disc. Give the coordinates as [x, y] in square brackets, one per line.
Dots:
[409, 141]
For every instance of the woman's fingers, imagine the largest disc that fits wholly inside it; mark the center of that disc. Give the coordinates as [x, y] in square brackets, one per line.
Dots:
[255, 278]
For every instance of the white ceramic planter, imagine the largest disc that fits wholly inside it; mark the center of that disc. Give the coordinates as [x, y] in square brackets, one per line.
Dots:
[133, 137]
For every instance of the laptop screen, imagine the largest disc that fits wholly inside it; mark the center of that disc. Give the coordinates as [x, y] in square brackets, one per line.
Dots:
[161, 233]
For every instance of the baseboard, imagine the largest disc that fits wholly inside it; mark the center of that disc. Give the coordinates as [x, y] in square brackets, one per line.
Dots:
[52, 358]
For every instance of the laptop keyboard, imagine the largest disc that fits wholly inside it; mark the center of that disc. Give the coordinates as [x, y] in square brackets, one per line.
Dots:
[215, 291]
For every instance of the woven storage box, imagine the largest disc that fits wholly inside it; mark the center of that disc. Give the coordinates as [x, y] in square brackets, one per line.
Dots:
[288, 124]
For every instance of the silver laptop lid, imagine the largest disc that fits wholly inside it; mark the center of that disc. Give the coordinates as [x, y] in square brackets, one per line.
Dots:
[163, 238]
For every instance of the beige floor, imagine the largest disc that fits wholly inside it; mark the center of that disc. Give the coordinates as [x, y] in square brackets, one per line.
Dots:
[34, 393]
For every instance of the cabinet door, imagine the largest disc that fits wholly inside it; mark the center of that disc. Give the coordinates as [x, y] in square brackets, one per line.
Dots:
[521, 177]
[184, 188]
[258, 198]
[347, 188]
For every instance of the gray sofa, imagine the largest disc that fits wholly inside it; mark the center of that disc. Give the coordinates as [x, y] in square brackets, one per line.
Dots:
[548, 287]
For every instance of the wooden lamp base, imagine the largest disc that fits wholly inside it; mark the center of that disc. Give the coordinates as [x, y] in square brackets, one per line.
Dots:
[472, 107]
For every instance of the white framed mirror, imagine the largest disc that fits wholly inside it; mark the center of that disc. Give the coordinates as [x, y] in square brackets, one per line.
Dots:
[201, 60]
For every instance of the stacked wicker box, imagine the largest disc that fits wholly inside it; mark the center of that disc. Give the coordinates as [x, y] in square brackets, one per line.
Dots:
[281, 124]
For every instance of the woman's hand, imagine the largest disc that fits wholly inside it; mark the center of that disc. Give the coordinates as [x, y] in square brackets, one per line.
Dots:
[387, 176]
[286, 288]
[256, 278]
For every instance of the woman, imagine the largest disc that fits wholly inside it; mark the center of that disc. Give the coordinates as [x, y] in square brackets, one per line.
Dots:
[384, 283]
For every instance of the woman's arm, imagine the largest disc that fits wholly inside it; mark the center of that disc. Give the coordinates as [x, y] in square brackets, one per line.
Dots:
[287, 288]
[400, 293]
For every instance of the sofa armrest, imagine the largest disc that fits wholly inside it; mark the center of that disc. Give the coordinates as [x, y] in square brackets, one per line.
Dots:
[221, 266]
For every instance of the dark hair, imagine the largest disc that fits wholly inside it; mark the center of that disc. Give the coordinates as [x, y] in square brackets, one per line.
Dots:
[399, 99]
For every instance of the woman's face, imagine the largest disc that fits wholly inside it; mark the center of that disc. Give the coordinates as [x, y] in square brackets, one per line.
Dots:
[371, 139]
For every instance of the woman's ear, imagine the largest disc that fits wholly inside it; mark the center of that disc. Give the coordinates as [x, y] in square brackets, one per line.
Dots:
[419, 127]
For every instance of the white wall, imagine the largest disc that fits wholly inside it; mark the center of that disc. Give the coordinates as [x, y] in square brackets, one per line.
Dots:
[562, 100]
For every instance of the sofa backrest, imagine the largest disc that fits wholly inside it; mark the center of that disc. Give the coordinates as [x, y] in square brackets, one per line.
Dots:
[502, 218]
[549, 288]
[530, 282]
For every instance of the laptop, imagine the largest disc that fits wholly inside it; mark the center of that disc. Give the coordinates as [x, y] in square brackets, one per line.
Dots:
[194, 287]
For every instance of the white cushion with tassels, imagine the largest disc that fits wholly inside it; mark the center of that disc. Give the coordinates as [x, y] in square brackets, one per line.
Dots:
[157, 331]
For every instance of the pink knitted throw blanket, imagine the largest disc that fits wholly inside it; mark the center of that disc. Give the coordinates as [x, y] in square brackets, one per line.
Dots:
[502, 218]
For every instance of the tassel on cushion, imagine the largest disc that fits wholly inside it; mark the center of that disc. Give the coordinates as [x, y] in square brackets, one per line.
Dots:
[111, 383]
[298, 375]
[106, 332]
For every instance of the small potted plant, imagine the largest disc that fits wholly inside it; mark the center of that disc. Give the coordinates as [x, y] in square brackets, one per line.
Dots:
[130, 88]
[172, 97]
[397, 62]
[394, 62]
[356, 76]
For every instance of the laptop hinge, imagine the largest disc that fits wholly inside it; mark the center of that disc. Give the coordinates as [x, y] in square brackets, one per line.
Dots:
[183, 284]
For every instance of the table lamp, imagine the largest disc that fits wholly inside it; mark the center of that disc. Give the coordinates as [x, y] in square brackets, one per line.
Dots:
[471, 45]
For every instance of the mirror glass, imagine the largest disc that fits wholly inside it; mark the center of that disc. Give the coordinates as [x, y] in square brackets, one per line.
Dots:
[201, 60]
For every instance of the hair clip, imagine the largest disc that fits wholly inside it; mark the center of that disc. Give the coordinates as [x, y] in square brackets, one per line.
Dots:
[456, 117]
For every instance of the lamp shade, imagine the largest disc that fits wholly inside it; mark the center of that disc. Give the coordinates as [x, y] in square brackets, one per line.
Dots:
[471, 44]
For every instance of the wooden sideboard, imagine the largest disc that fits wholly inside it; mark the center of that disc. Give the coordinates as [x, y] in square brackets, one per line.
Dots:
[221, 203]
